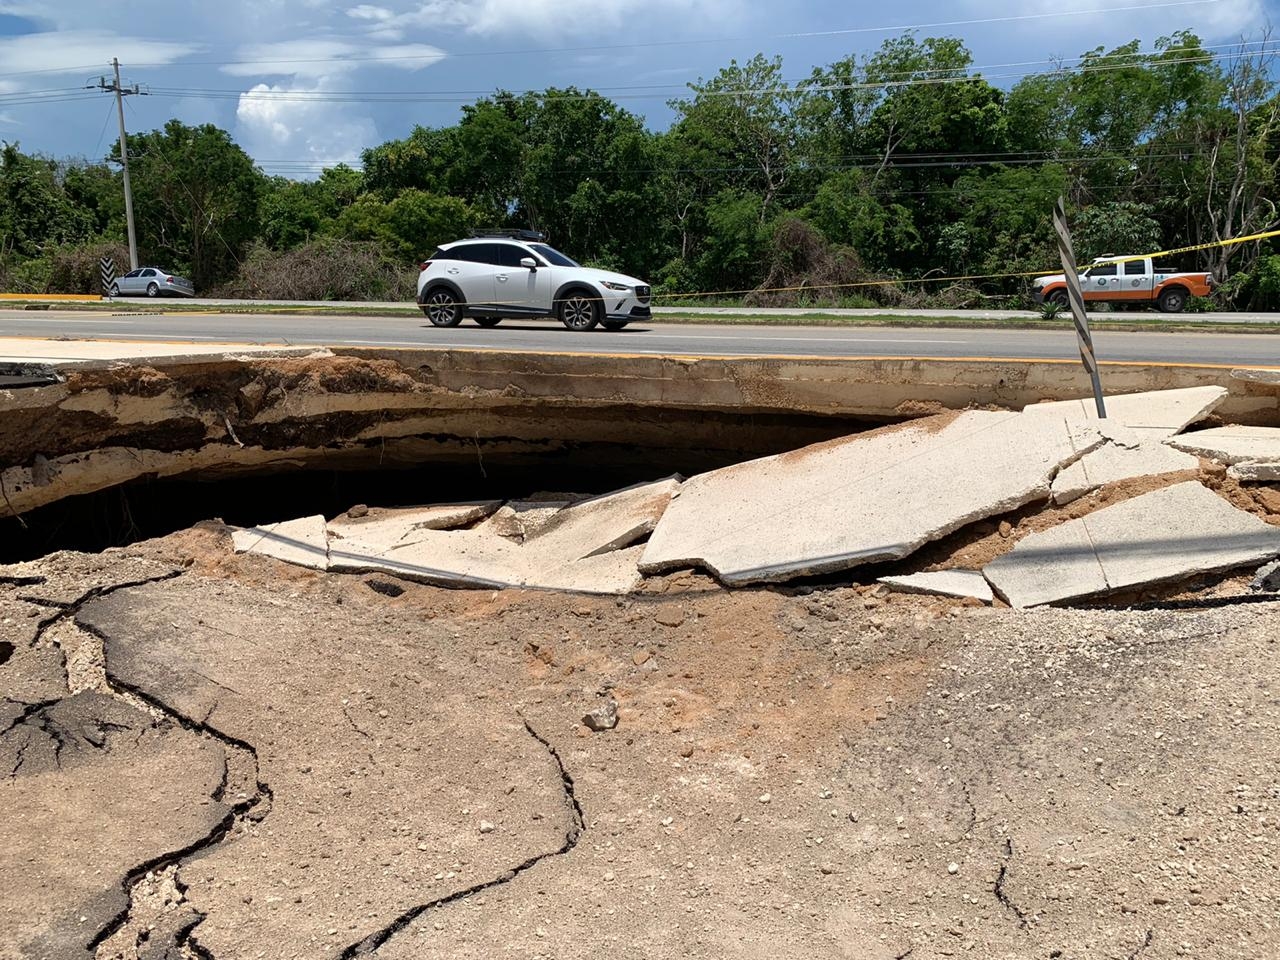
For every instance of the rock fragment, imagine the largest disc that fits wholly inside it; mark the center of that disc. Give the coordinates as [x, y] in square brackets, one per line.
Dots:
[602, 718]
[1267, 579]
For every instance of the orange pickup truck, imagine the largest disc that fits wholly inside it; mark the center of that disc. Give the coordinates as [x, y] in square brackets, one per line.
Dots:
[1121, 280]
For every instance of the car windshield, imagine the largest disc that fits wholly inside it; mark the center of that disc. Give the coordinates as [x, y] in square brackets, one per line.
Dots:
[552, 255]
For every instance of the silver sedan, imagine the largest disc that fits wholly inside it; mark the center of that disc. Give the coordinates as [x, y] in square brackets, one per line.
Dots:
[151, 282]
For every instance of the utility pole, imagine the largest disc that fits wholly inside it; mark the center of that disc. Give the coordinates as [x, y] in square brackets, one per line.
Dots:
[121, 93]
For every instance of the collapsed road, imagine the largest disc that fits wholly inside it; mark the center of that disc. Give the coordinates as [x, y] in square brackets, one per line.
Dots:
[752, 659]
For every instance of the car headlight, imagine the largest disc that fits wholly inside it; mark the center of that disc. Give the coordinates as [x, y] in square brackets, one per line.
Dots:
[610, 285]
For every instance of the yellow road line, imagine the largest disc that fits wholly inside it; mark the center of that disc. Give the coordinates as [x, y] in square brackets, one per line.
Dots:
[42, 297]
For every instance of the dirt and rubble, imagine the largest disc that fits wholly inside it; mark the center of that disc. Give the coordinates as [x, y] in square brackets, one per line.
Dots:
[826, 772]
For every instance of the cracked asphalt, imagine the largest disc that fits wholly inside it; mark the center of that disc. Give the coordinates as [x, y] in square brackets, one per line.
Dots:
[220, 756]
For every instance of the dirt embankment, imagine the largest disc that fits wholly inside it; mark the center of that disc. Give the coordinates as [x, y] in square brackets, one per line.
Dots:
[793, 774]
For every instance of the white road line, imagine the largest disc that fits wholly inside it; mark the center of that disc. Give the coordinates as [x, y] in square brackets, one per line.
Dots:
[684, 336]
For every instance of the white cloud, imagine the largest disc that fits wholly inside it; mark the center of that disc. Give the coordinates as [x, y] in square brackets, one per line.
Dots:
[271, 127]
[369, 12]
[71, 51]
[318, 58]
[547, 19]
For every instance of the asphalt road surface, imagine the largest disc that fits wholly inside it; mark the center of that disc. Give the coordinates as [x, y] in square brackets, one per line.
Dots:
[648, 338]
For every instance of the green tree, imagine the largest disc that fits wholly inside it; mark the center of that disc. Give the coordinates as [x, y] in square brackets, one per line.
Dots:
[35, 211]
[196, 198]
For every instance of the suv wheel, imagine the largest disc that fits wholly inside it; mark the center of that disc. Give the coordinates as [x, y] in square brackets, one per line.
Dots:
[579, 311]
[443, 308]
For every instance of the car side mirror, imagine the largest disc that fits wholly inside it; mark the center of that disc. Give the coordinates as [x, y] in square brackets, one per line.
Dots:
[529, 263]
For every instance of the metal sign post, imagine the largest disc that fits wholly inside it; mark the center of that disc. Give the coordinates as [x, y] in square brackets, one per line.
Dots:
[1068, 255]
[107, 266]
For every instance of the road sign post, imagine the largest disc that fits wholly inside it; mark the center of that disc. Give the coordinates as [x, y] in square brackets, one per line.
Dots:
[107, 267]
[1076, 296]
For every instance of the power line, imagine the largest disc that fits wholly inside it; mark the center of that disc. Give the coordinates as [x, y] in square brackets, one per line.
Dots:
[803, 35]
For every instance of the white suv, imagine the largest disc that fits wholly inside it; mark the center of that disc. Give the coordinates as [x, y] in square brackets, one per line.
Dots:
[514, 274]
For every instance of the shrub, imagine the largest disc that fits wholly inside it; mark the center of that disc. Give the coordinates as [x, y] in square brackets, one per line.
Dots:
[805, 268]
[325, 269]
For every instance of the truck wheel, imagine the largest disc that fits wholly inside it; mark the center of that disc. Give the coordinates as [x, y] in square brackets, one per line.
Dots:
[1059, 297]
[1173, 300]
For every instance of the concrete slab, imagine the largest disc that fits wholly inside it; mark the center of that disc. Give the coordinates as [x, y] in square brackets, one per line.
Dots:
[1232, 444]
[451, 558]
[580, 548]
[1167, 535]
[398, 526]
[605, 523]
[304, 541]
[871, 497]
[1152, 415]
[944, 583]
[1113, 463]
[1256, 471]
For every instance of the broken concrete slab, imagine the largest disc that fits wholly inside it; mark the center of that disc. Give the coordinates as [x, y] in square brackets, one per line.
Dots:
[97, 790]
[1152, 415]
[605, 523]
[481, 560]
[304, 542]
[579, 548]
[1255, 471]
[393, 526]
[1114, 463]
[865, 498]
[1136, 423]
[1167, 535]
[451, 558]
[1231, 445]
[945, 583]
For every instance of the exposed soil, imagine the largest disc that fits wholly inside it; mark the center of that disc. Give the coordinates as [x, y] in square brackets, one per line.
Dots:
[810, 774]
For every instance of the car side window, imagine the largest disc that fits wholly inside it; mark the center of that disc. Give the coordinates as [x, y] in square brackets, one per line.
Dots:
[509, 255]
[1103, 270]
[1135, 268]
[442, 254]
[132, 273]
[148, 273]
[473, 253]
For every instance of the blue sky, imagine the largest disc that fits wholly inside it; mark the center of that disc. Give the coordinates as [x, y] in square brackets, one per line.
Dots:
[297, 82]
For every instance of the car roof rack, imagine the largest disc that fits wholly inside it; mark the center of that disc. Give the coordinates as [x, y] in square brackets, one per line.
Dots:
[530, 236]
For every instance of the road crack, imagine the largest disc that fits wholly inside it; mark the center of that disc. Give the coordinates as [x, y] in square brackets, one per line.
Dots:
[998, 887]
[254, 807]
[573, 833]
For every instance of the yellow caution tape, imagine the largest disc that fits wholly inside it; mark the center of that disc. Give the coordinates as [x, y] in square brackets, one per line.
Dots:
[973, 276]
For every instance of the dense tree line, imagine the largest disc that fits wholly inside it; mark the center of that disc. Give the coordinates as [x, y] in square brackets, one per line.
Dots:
[901, 164]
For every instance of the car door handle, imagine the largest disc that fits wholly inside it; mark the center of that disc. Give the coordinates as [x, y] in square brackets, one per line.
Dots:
[453, 270]
[501, 278]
